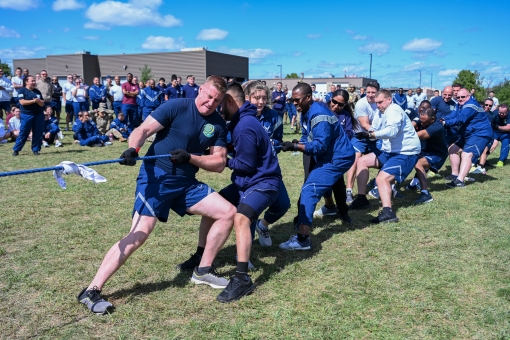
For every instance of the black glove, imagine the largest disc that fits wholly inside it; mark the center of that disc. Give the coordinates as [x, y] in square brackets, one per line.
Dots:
[295, 141]
[361, 135]
[129, 157]
[289, 146]
[495, 126]
[180, 156]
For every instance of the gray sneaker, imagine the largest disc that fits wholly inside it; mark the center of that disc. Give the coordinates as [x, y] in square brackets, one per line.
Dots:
[263, 232]
[349, 199]
[324, 211]
[94, 302]
[210, 278]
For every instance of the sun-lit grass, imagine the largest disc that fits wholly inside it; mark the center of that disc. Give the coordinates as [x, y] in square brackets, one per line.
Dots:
[442, 272]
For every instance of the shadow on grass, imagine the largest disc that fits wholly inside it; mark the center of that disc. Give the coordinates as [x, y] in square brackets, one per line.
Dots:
[59, 326]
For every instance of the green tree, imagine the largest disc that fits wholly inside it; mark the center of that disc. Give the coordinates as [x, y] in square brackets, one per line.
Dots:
[502, 92]
[6, 68]
[469, 80]
[293, 75]
[146, 73]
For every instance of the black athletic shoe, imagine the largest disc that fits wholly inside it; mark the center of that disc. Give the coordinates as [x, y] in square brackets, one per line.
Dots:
[451, 178]
[191, 263]
[36, 153]
[94, 302]
[385, 217]
[236, 289]
[456, 184]
[424, 198]
[15, 153]
[345, 217]
[360, 203]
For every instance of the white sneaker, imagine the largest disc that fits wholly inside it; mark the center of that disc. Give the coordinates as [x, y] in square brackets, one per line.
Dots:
[324, 211]
[263, 232]
[294, 244]
[58, 144]
[108, 143]
[45, 144]
[251, 267]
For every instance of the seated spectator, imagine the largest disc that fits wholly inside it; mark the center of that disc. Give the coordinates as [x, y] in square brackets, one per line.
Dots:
[86, 132]
[103, 122]
[4, 134]
[15, 123]
[11, 114]
[119, 124]
[51, 130]
[501, 127]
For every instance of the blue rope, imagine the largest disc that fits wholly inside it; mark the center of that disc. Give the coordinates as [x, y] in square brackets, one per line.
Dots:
[59, 167]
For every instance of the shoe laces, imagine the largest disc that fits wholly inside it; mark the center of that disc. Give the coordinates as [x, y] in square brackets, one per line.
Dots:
[94, 294]
[264, 232]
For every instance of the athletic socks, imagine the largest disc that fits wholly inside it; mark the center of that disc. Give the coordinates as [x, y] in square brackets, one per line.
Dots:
[242, 271]
[302, 238]
[426, 192]
[200, 251]
[203, 270]
[386, 209]
[414, 182]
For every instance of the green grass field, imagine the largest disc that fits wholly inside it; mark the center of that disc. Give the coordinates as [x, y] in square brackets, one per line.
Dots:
[442, 272]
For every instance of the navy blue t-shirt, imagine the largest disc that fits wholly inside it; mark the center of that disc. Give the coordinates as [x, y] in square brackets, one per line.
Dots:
[172, 92]
[26, 94]
[190, 91]
[185, 128]
[442, 108]
[436, 144]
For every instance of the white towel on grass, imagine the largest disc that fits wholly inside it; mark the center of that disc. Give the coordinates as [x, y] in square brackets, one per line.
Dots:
[77, 169]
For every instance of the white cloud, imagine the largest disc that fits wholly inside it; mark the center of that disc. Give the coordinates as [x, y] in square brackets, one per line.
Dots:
[8, 33]
[19, 52]
[162, 43]
[314, 36]
[33, 36]
[448, 73]
[132, 13]
[212, 34]
[66, 29]
[297, 53]
[414, 66]
[324, 64]
[255, 55]
[376, 47]
[95, 26]
[354, 69]
[360, 37]
[91, 37]
[483, 63]
[62, 5]
[19, 5]
[422, 45]
[350, 32]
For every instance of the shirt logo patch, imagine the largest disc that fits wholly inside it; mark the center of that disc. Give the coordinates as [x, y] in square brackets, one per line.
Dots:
[208, 130]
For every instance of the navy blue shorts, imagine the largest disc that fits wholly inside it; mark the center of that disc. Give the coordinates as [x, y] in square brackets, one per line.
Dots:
[365, 146]
[157, 192]
[435, 162]
[397, 164]
[474, 145]
[452, 135]
[258, 197]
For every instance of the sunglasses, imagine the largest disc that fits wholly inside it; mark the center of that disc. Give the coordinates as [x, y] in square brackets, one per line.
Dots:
[337, 103]
[298, 100]
[461, 97]
[489, 105]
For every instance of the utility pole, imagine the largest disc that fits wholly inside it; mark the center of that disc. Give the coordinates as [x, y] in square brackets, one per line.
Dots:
[420, 78]
[280, 66]
[370, 75]
[431, 80]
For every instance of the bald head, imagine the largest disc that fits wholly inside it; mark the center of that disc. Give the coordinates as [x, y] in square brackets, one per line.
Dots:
[447, 93]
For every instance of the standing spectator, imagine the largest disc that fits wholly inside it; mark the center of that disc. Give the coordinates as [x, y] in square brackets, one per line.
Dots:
[501, 126]
[329, 95]
[15, 123]
[172, 91]
[400, 99]
[152, 98]
[117, 96]
[25, 74]
[56, 97]
[190, 90]
[472, 92]
[6, 89]
[418, 97]
[436, 94]
[161, 85]
[67, 94]
[97, 93]
[45, 87]
[108, 85]
[410, 100]
[278, 99]
[80, 97]
[180, 87]
[17, 83]
[51, 129]
[291, 112]
[353, 96]
[495, 101]
[130, 90]
[32, 117]
[362, 93]
[316, 97]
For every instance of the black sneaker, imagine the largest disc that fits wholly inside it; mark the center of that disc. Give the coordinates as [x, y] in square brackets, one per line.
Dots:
[36, 153]
[94, 302]
[236, 289]
[345, 217]
[385, 217]
[424, 198]
[451, 177]
[456, 184]
[360, 203]
[15, 153]
[191, 263]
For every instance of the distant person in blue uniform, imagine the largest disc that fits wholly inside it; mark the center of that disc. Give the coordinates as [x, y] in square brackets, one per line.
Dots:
[97, 93]
[190, 90]
[400, 99]
[278, 98]
[172, 91]
[325, 140]
[152, 98]
[51, 129]
[185, 129]
[87, 133]
[501, 127]
[32, 116]
[475, 133]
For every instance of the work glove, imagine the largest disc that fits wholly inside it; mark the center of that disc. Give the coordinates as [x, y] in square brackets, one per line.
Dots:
[289, 146]
[361, 135]
[180, 156]
[129, 157]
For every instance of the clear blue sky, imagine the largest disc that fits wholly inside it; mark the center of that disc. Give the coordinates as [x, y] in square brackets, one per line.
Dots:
[318, 38]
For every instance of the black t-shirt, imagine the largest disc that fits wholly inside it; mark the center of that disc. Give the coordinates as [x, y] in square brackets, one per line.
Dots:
[26, 94]
[185, 128]
[436, 144]
[442, 108]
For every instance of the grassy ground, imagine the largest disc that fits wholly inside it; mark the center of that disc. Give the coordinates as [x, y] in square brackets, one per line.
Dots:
[440, 273]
